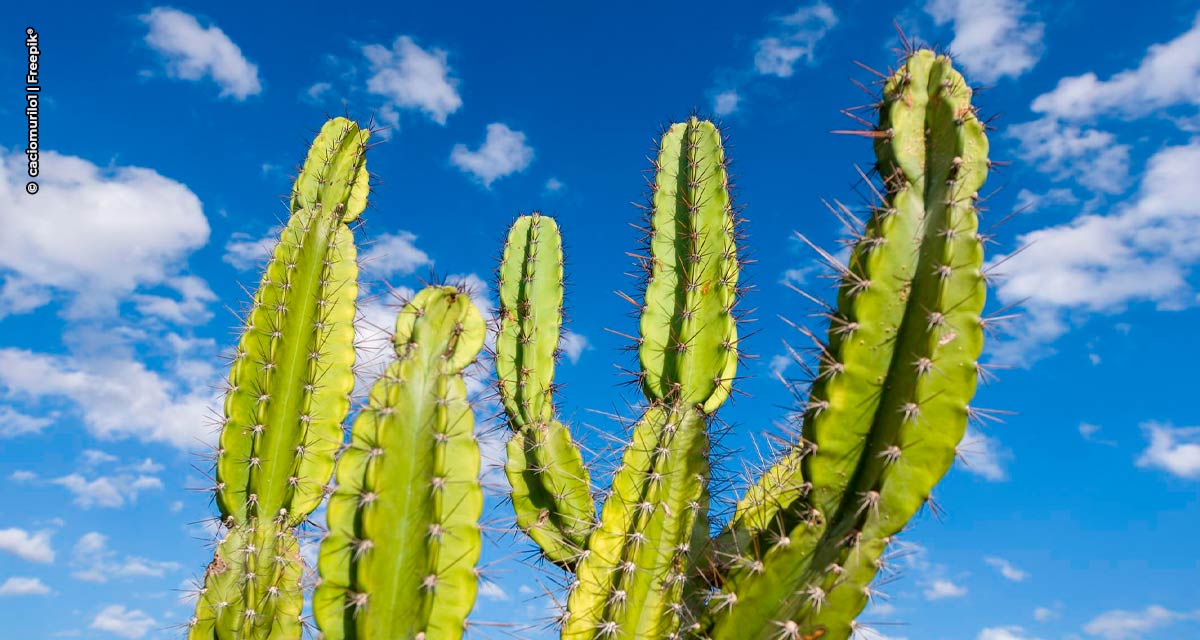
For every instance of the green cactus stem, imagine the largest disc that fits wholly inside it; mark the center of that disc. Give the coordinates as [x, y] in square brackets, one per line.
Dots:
[551, 492]
[399, 559]
[889, 404]
[636, 568]
[288, 395]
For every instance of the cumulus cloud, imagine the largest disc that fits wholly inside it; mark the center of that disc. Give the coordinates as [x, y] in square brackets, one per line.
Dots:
[94, 561]
[1175, 450]
[393, 255]
[116, 396]
[245, 252]
[95, 234]
[944, 589]
[1064, 151]
[195, 52]
[1006, 569]
[410, 77]
[992, 38]
[1135, 625]
[1168, 75]
[14, 423]
[795, 41]
[124, 623]
[726, 102]
[491, 591]
[983, 455]
[1004, 633]
[20, 586]
[573, 345]
[26, 545]
[1143, 251]
[107, 491]
[504, 152]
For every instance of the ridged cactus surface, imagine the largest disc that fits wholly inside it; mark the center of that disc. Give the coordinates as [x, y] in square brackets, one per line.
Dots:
[887, 406]
[399, 558]
[288, 394]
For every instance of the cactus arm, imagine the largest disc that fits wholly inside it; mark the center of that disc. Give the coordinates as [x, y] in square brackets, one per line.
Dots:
[290, 383]
[399, 560]
[890, 402]
[551, 492]
[633, 578]
[639, 574]
[688, 346]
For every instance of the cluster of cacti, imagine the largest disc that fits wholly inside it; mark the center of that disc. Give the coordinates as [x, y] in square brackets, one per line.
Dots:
[399, 557]
[888, 405]
[886, 409]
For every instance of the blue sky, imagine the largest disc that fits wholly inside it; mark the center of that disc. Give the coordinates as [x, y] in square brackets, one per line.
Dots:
[169, 133]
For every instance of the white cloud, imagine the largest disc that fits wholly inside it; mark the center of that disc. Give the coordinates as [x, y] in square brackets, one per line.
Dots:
[943, 589]
[983, 455]
[1134, 625]
[123, 622]
[503, 152]
[1067, 151]
[1168, 75]
[13, 423]
[393, 254]
[107, 491]
[554, 184]
[317, 90]
[491, 591]
[726, 102]
[1044, 614]
[413, 78]
[21, 475]
[1031, 202]
[992, 38]
[94, 561]
[97, 234]
[245, 252]
[194, 52]
[573, 345]
[1142, 252]
[799, 33]
[1007, 569]
[1175, 450]
[1004, 633]
[19, 586]
[32, 547]
[118, 397]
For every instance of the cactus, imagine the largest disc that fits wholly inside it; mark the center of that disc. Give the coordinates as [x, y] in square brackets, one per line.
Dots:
[633, 566]
[887, 406]
[287, 396]
[399, 558]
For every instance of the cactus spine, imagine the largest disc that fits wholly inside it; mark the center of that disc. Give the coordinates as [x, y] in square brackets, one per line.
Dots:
[288, 394]
[399, 559]
[887, 407]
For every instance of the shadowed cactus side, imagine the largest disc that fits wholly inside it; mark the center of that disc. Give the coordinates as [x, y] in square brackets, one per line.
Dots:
[887, 407]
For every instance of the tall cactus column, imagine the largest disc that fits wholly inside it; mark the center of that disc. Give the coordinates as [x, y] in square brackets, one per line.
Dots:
[890, 401]
[288, 395]
[399, 560]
